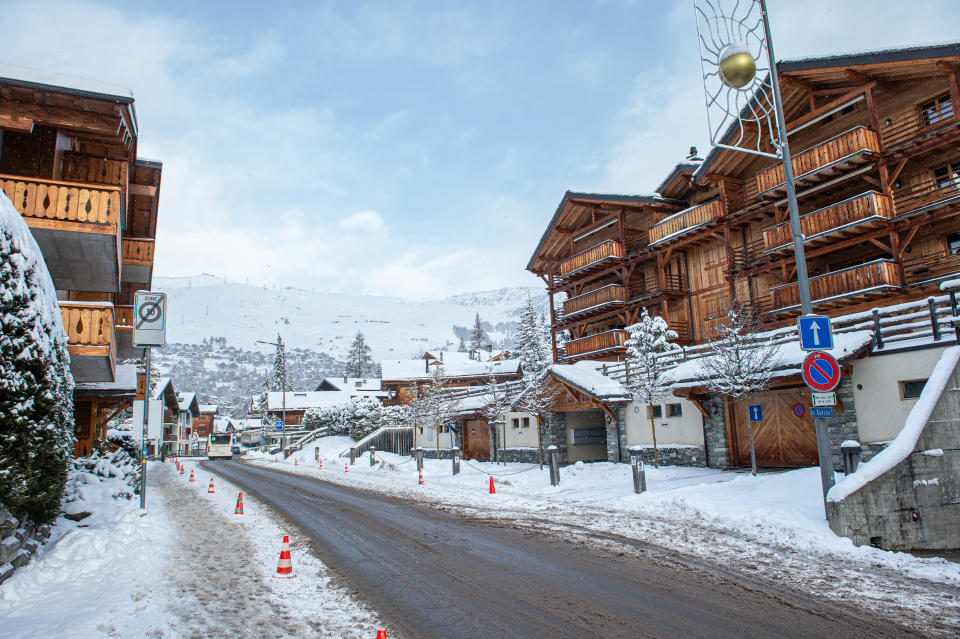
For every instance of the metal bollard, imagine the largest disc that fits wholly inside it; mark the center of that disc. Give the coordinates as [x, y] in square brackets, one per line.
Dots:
[639, 474]
[353, 456]
[554, 460]
[419, 453]
[851, 456]
[316, 454]
[372, 457]
[455, 457]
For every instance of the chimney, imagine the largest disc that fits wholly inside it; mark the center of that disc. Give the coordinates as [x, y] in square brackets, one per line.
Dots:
[693, 157]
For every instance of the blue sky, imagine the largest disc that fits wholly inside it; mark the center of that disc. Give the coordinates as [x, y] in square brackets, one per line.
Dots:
[406, 148]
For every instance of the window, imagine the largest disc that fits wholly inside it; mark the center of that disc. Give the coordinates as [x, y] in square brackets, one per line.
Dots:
[947, 175]
[674, 410]
[936, 110]
[953, 243]
[588, 436]
[911, 389]
[526, 422]
[655, 412]
[516, 422]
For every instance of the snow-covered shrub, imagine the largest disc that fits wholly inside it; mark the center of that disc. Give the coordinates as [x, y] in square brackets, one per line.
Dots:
[36, 387]
[117, 472]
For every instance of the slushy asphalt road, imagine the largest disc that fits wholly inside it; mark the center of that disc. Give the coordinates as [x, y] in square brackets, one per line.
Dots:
[435, 574]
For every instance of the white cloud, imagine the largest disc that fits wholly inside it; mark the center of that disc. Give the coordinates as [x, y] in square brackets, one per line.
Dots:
[370, 221]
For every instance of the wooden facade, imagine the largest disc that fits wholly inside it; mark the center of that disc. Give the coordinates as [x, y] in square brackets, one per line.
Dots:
[68, 163]
[874, 140]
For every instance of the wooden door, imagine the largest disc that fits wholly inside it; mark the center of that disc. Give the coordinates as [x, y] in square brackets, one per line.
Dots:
[782, 438]
[476, 440]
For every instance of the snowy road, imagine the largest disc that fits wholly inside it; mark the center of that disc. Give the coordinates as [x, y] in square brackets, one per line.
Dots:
[432, 573]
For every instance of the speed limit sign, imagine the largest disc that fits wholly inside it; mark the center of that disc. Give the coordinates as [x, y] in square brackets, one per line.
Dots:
[149, 319]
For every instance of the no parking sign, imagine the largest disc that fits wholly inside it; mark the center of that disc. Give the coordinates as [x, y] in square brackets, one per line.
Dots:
[821, 372]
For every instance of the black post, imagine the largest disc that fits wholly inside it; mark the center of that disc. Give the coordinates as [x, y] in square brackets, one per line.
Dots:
[146, 431]
[372, 457]
[455, 459]
[953, 312]
[932, 307]
[554, 460]
[876, 328]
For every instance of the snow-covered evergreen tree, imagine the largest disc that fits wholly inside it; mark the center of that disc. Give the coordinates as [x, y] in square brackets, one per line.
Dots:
[649, 384]
[739, 365]
[359, 361]
[462, 348]
[533, 349]
[281, 378]
[36, 387]
[478, 338]
[263, 403]
[366, 417]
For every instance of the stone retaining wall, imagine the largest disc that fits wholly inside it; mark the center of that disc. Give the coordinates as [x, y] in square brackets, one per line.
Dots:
[674, 456]
[18, 542]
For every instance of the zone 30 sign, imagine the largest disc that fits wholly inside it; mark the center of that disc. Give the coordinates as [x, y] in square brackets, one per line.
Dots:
[149, 319]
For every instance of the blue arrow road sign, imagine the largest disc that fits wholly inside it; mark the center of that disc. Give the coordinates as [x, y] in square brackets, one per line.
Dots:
[815, 333]
[756, 412]
[821, 412]
[279, 425]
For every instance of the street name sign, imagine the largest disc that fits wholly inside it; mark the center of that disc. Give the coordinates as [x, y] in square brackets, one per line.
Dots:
[756, 412]
[815, 333]
[821, 412]
[824, 399]
[149, 319]
[821, 372]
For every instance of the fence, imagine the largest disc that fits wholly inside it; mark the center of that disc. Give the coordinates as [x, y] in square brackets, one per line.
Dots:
[390, 439]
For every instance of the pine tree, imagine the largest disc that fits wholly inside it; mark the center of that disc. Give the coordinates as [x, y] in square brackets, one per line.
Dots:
[478, 338]
[649, 338]
[281, 378]
[36, 387]
[462, 348]
[359, 361]
[739, 365]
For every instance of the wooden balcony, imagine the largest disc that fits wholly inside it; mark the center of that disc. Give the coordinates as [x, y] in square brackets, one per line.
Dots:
[925, 197]
[837, 155]
[608, 342]
[685, 221]
[863, 281]
[92, 340]
[849, 217]
[137, 259]
[76, 226]
[124, 317]
[650, 288]
[592, 258]
[913, 127]
[596, 300]
[923, 270]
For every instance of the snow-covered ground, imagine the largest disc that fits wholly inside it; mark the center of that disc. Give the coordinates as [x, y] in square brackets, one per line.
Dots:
[189, 568]
[772, 525]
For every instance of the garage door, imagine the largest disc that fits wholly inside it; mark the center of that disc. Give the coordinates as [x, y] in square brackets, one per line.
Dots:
[476, 440]
[782, 438]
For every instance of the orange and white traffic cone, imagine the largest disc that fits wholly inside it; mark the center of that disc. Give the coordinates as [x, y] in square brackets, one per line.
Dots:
[321, 464]
[276, 459]
[381, 634]
[285, 567]
[210, 489]
[191, 476]
[346, 468]
[239, 509]
[493, 490]
[420, 477]
[181, 470]
[295, 462]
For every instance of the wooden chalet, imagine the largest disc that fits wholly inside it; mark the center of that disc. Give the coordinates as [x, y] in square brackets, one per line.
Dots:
[203, 422]
[874, 143]
[68, 162]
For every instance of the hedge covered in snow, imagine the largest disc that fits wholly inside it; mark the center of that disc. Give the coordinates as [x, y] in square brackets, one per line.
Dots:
[36, 387]
[357, 419]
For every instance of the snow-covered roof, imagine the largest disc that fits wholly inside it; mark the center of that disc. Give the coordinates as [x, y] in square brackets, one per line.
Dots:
[162, 384]
[125, 382]
[416, 369]
[586, 376]
[302, 400]
[246, 423]
[352, 383]
[54, 81]
[188, 401]
[690, 374]
[208, 408]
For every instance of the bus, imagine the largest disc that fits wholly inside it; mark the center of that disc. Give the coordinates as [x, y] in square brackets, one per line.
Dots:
[220, 446]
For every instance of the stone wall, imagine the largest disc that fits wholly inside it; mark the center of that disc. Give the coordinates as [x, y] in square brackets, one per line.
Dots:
[915, 504]
[843, 425]
[715, 433]
[617, 433]
[554, 433]
[673, 456]
[18, 542]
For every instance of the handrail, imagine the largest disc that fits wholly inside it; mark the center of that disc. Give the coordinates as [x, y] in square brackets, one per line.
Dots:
[846, 212]
[604, 250]
[686, 220]
[37, 198]
[851, 142]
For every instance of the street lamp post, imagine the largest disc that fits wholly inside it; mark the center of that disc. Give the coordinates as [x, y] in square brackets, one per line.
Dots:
[735, 66]
[283, 382]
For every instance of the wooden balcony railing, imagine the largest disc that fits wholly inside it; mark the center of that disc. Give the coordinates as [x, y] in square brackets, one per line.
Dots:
[854, 210]
[873, 276]
[609, 250]
[138, 251]
[686, 220]
[856, 141]
[650, 287]
[96, 170]
[595, 343]
[928, 269]
[41, 200]
[89, 327]
[912, 124]
[124, 317]
[605, 296]
[926, 196]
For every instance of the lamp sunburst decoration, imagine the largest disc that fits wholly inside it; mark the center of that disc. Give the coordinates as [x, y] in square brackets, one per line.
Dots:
[736, 76]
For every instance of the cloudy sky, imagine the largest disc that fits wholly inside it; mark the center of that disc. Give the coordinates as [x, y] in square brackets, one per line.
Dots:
[407, 148]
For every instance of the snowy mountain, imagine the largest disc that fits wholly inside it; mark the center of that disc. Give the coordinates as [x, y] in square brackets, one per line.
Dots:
[204, 306]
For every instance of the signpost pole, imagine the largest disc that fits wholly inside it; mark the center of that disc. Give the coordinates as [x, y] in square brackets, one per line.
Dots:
[143, 441]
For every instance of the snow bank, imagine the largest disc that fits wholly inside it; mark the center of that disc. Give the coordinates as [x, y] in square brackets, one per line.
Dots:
[906, 441]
